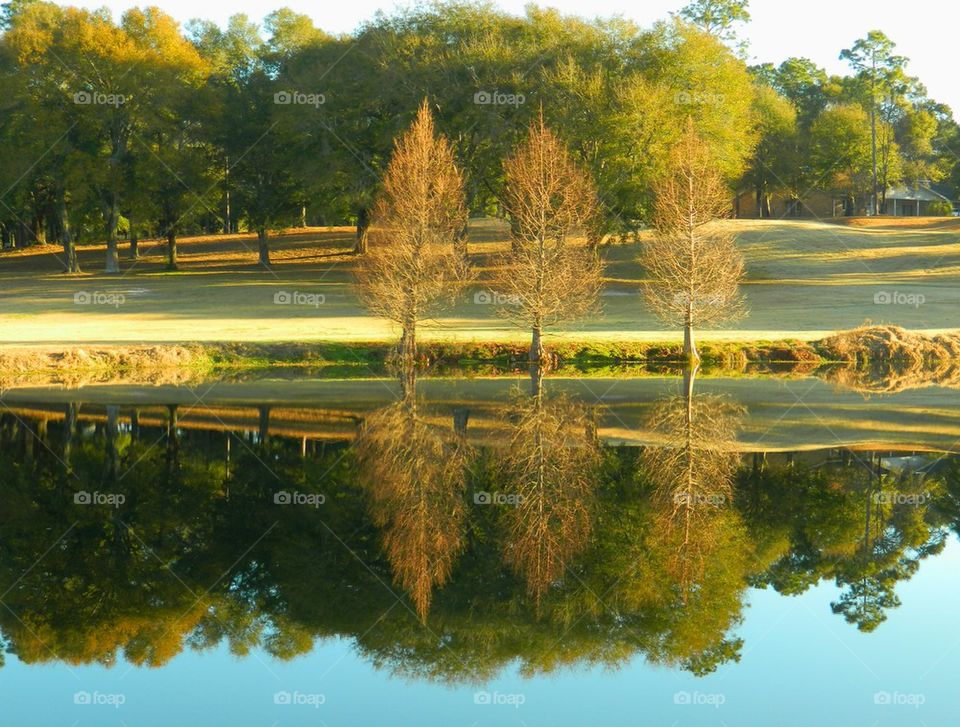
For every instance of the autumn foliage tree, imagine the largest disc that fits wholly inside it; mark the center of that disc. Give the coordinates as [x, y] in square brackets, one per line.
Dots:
[547, 279]
[411, 271]
[415, 476]
[694, 266]
[550, 467]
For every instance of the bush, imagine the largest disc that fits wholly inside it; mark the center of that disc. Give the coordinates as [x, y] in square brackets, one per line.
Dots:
[940, 208]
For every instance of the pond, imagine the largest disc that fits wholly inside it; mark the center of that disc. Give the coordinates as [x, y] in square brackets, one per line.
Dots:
[639, 549]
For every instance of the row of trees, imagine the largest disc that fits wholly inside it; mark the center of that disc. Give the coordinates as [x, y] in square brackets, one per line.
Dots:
[143, 128]
[416, 265]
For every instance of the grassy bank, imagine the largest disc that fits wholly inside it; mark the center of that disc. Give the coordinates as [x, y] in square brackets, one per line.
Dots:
[881, 352]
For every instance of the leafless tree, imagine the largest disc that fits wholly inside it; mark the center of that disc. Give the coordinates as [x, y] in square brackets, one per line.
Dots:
[694, 265]
[692, 466]
[411, 271]
[415, 475]
[546, 279]
[550, 470]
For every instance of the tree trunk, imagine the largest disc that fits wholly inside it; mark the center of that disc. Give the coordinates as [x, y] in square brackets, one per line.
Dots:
[113, 261]
[134, 242]
[171, 249]
[227, 225]
[536, 380]
[690, 352]
[363, 231]
[263, 245]
[536, 346]
[303, 215]
[408, 342]
[460, 245]
[263, 424]
[69, 246]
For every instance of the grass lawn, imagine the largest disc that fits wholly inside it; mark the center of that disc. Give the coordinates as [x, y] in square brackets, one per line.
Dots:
[804, 280]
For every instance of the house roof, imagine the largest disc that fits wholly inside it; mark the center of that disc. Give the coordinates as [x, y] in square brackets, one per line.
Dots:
[921, 193]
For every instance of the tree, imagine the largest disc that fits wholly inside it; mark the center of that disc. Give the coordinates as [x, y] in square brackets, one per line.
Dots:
[840, 143]
[693, 264]
[772, 165]
[412, 271]
[880, 71]
[717, 17]
[175, 168]
[546, 279]
[415, 475]
[550, 469]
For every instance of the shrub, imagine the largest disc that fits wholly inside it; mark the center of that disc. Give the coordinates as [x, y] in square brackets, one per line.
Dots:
[940, 208]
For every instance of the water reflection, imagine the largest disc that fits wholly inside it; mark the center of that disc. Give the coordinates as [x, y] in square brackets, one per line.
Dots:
[123, 533]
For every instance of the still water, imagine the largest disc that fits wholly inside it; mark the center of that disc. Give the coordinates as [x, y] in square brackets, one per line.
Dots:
[649, 550]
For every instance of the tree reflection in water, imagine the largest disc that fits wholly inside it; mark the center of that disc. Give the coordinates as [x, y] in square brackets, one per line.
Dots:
[604, 553]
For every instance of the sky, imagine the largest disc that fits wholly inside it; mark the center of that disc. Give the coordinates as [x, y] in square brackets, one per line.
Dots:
[816, 29]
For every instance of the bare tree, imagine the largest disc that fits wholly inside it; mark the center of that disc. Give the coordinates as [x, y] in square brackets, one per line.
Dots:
[692, 465]
[546, 279]
[694, 265]
[411, 271]
[415, 474]
[550, 469]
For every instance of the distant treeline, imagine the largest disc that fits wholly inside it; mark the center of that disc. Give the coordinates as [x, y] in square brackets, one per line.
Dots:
[145, 128]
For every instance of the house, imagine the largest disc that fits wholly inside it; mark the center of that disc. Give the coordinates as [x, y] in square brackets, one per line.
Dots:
[901, 201]
[911, 201]
[815, 205]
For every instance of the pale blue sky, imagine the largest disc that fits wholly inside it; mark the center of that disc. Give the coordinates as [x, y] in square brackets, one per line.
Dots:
[817, 29]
